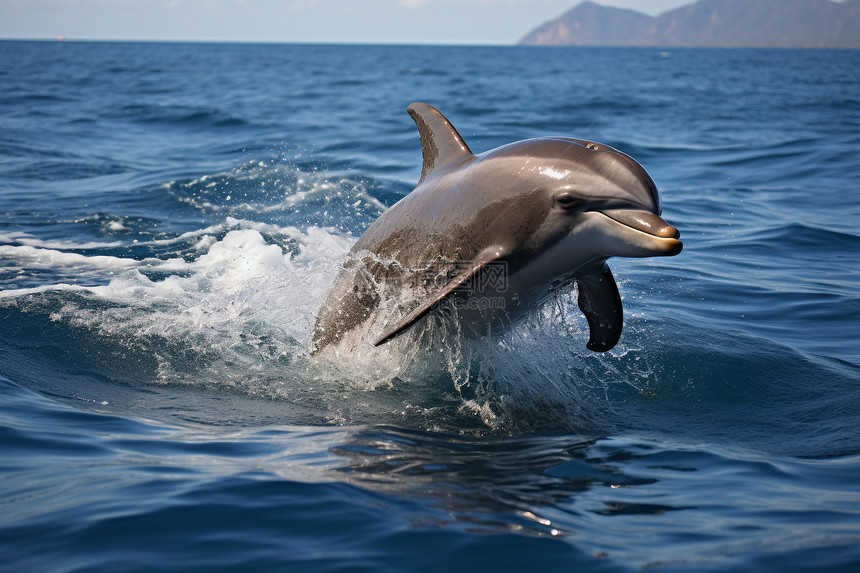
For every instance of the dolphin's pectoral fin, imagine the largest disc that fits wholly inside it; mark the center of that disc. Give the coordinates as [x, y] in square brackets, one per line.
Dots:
[440, 142]
[600, 302]
[464, 279]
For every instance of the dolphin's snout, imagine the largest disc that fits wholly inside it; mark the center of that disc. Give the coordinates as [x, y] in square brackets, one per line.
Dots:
[641, 234]
[644, 221]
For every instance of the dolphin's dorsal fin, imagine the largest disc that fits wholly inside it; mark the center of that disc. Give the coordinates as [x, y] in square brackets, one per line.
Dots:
[485, 257]
[440, 142]
[600, 302]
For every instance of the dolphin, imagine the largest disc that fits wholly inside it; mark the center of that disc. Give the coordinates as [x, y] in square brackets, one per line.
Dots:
[486, 238]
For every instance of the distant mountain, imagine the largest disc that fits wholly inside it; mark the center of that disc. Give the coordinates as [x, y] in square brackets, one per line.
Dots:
[709, 23]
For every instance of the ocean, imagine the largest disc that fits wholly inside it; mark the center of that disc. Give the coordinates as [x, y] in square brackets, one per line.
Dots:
[171, 216]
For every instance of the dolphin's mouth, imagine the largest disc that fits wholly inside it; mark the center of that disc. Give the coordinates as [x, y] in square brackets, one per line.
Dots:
[662, 236]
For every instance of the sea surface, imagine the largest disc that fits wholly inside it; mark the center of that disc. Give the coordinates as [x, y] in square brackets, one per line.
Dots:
[171, 216]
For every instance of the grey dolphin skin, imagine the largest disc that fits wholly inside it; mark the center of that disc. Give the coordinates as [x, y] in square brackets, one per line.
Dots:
[486, 238]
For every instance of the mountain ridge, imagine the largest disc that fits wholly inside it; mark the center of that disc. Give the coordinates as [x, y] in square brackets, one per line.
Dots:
[708, 23]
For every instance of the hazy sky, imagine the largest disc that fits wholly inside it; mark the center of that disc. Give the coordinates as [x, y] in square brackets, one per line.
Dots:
[361, 21]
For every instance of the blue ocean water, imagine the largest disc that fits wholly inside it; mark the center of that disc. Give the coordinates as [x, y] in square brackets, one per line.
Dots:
[172, 215]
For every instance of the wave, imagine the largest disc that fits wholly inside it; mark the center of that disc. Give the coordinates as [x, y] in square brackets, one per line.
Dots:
[20, 238]
[189, 116]
[754, 242]
[54, 170]
[805, 238]
[256, 188]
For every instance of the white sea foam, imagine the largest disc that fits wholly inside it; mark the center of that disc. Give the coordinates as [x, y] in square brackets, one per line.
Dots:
[20, 238]
[51, 258]
[241, 280]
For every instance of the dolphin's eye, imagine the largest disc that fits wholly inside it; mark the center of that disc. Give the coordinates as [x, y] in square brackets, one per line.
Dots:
[567, 200]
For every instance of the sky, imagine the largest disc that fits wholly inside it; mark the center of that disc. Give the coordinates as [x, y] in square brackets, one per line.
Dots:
[316, 21]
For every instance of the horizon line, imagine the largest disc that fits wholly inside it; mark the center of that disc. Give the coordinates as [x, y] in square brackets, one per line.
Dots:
[382, 43]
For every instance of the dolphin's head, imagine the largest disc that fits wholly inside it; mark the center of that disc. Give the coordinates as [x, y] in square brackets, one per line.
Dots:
[609, 194]
[597, 202]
